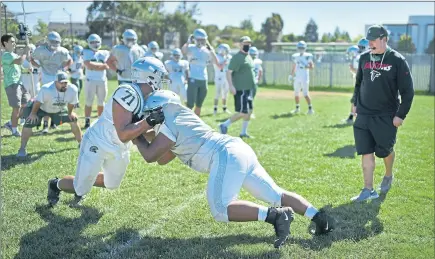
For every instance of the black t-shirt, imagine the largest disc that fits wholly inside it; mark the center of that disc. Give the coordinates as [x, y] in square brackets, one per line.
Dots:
[379, 81]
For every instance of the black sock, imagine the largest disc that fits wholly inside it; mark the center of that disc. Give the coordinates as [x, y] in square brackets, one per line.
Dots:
[350, 117]
[45, 124]
[53, 184]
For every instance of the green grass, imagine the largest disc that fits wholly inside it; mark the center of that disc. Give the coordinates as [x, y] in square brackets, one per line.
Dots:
[162, 212]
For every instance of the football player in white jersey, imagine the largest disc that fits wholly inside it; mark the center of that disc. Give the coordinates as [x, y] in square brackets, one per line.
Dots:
[258, 71]
[123, 55]
[55, 100]
[51, 58]
[231, 165]
[29, 71]
[220, 78]
[199, 52]
[354, 53]
[95, 61]
[107, 142]
[178, 73]
[76, 69]
[302, 63]
[153, 50]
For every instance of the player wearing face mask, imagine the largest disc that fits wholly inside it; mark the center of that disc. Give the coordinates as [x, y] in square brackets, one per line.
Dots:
[153, 50]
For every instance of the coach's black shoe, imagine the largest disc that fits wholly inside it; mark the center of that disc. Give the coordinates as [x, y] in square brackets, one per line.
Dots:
[53, 192]
[324, 223]
[280, 218]
[87, 123]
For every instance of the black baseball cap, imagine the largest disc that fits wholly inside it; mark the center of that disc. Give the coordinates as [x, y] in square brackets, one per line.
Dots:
[376, 31]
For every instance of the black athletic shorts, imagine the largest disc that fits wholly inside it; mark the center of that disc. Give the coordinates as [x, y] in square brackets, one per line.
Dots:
[243, 101]
[374, 134]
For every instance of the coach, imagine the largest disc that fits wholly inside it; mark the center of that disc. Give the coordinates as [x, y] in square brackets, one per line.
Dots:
[241, 81]
[382, 74]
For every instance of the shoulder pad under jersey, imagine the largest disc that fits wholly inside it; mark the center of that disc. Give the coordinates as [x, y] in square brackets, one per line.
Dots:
[129, 98]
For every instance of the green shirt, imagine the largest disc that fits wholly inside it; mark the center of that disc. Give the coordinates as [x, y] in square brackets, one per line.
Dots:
[11, 71]
[243, 75]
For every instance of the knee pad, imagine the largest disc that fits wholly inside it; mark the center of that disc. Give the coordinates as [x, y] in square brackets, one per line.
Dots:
[220, 217]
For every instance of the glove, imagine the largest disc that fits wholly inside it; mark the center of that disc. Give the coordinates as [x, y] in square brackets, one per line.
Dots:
[155, 117]
[290, 78]
[119, 72]
[69, 70]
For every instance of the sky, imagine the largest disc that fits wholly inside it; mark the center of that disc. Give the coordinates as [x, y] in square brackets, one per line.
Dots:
[349, 16]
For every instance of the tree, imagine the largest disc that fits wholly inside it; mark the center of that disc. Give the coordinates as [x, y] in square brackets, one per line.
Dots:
[405, 44]
[10, 21]
[288, 38]
[326, 37]
[431, 48]
[311, 34]
[247, 25]
[357, 38]
[272, 28]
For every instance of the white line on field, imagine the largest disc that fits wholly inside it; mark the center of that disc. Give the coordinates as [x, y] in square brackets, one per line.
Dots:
[169, 214]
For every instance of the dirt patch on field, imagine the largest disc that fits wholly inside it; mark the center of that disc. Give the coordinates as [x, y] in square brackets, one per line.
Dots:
[288, 94]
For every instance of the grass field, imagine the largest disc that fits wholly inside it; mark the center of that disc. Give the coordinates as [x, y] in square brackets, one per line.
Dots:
[162, 211]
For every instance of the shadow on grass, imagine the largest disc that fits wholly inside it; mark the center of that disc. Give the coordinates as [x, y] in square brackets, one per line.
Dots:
[354, 221]
[348, 151]
[282, 115]
[65, 139]
[127, 243]
[10, 161]
[61, 237]
[339, 125]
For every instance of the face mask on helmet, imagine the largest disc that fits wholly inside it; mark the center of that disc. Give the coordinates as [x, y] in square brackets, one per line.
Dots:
[95, 45]
[200, 42]
[176, 57]
[130, 42]
[301, 49]
[154, 50]
[54, 44]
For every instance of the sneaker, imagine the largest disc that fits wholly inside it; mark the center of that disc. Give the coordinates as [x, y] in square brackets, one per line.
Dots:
[45, 130]
[246, 136]
[310, 111]
[227, 111]
[16, 134]
[215, 112]
[386, 184]
[297, 110]
[223, 128]
[53, 192]
[22, 152]
[280, 218]
[87, 123]
[22, 121]
[349, 121]
[365, 195]
[324, 223]
[53, 126]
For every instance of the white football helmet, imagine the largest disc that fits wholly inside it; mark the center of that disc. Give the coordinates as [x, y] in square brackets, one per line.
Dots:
[223, 49]
[151, 71]
[176, 54]
[200, 37]
[54, 40]
[153, 46]
[129, 38]
[158, 99]
[94, 42]
[253, 52]
[78, 49]
[301, 46]
[31, 47]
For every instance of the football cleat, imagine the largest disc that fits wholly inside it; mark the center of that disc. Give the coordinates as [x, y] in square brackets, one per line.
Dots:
[324, 223]
[53, 192]
[280, 218]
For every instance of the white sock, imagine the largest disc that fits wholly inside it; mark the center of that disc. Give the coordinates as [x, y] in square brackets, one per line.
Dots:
[227, 123]
[245, 127]
[310, 212]
[297, 106]
[57, 184]
[14, 129]
[262, 213]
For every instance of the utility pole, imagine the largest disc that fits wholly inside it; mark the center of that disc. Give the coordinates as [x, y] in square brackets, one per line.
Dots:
[6, 18]
[70, 26]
